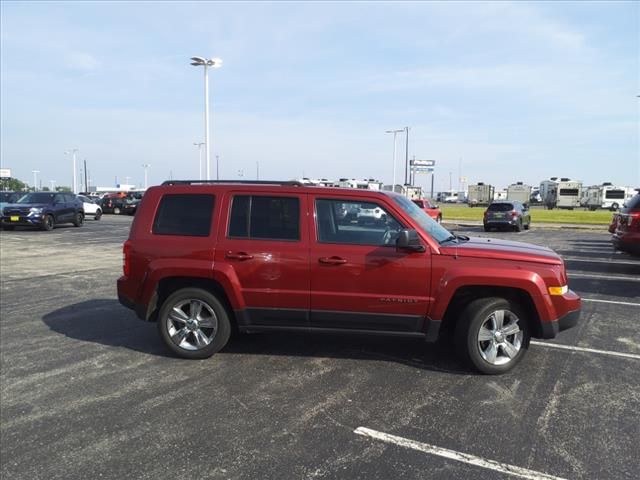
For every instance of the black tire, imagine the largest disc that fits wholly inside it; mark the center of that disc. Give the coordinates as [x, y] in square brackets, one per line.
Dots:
[116, 211]
[220, 335]
[468, 328]
[78, 219]
[48, 223]
[528, 225]
[439, 219]
[487, 229]
[518, 226]
[614, 207]
[98, 215]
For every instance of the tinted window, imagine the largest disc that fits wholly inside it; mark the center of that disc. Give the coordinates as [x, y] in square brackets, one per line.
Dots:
[36, 198]
[500, 207]
[184, 214]
[69, 198]
[270, 218]
[355, 223]
[615, 194]
[572, 192]
[634, 202]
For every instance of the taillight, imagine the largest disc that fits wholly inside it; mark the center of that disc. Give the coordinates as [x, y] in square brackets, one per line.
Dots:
[514, 213]
[126, 258]
[634, 220]
[486, 212]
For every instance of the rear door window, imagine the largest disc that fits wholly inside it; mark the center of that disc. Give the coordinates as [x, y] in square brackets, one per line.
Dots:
[265, 217]
[184, 214]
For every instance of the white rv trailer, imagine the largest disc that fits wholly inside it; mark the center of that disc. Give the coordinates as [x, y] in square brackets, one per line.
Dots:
[606, 196]
[519, 192]
[561, 193]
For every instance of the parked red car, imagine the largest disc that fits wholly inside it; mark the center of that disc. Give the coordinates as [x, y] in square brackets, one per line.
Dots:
[206, 257]
[626, 223]
[430, 209]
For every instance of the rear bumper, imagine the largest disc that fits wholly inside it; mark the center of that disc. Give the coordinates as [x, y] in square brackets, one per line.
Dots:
[628, 242]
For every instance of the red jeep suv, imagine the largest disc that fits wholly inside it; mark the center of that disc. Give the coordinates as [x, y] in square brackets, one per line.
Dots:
[206, 257]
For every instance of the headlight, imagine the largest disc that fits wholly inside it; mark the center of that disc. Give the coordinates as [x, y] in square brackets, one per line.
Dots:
[37, 211]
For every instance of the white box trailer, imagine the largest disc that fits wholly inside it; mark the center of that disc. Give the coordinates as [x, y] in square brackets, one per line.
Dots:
[480, 194]
[606, 196]
[561, 193]
[519, 192]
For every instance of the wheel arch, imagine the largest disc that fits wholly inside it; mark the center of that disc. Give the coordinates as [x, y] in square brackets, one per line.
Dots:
[468, 293]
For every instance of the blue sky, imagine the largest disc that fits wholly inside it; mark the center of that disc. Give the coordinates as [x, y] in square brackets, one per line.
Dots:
[508, 91]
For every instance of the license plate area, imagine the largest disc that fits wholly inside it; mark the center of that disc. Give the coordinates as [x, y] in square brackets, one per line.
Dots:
[14, 218]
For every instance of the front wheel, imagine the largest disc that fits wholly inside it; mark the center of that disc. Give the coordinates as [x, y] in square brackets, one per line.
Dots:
[518, 227]
[48, 223]
[98, 215]
[492, 334]
[193, 323]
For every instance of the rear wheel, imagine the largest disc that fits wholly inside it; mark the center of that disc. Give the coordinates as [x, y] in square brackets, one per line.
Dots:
[116, 211]
[518, 227]
[98, 215]
[193, 323]
[526, 227]
[48, 223]
[492, 334]
[614, 207]
[78, 219]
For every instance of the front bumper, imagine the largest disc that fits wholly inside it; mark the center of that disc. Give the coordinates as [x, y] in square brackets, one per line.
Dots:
[551, 329]
[22, 221]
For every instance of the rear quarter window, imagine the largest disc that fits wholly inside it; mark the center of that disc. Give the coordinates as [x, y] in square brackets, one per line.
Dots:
[184, 214]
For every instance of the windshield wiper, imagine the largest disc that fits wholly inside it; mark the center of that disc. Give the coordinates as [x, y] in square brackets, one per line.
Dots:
[453, 236]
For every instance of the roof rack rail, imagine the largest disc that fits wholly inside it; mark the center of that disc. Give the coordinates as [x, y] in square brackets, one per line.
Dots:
[293, 183]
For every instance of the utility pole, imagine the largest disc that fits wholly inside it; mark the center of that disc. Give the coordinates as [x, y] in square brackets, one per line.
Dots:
[53, 185]
[450, 185]
[35, 181]
[73, 152]
[199, 145]
[406, 155]
[146, 167]
[257, 170]
[86, 176]
[217, 168]
[393, 180]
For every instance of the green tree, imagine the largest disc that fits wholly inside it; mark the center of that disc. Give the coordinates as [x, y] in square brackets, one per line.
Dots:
[12, 185]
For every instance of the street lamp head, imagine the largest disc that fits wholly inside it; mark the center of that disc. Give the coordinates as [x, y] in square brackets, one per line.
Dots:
[198, 61]
[215, 62]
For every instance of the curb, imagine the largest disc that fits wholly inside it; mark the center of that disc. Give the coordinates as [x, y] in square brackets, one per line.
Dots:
[548, 226]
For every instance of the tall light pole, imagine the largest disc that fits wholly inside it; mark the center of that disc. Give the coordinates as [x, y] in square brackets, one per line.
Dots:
[199, 145]
[53, 185]
[146, 167]
[73, 152]
[406, 153]
[35, 182]
[395, 132]
[214, 63]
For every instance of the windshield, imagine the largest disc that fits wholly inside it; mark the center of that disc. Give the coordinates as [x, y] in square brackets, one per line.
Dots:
[39, 197]
[424, 221]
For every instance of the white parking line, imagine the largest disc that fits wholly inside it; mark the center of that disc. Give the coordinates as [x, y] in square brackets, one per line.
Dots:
[603, 277]
[601, 260]
[453, 455]
[614, 302]
[585, 350]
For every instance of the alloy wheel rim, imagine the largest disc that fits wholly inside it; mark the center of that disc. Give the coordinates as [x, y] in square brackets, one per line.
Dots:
[192, 324]
[500, 337]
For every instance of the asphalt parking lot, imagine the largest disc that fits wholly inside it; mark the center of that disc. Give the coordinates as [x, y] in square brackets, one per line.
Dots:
[89, 391]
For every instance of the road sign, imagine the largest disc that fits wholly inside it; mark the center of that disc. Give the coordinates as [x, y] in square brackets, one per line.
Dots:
[423, 169]
[5, 173]
[423, 163]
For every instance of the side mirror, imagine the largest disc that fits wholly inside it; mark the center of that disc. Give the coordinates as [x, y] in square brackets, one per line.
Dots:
[409, 240]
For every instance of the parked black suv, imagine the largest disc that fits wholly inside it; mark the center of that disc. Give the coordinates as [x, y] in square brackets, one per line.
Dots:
[43, 210]
[507, 214]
